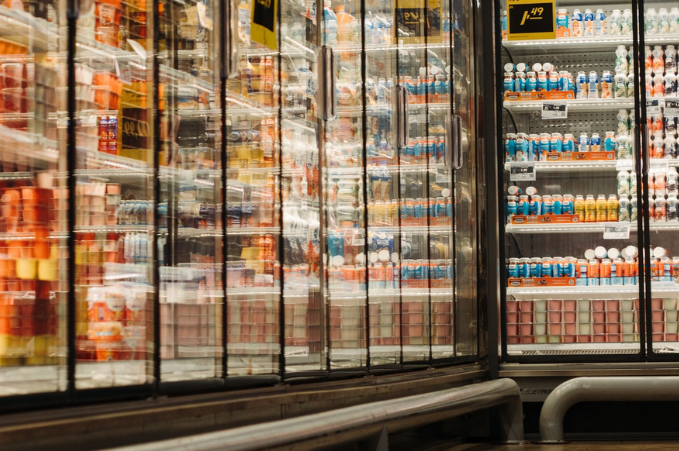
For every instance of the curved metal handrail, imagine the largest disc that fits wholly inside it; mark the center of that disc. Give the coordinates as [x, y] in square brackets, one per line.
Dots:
[361, 422]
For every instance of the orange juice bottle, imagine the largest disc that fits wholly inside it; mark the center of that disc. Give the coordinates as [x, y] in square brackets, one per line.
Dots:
[579, 207]
[601, 209]
[612, 205]
[590, 209]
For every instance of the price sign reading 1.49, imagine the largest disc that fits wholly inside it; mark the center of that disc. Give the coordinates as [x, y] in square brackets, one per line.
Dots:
[531, 19]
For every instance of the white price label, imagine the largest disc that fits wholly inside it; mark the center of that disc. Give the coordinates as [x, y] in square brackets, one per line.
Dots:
[616, 232]
[653, 107]
[524, 171]
[554, 110]
[624, 165]
[658, 165]
[672, 108]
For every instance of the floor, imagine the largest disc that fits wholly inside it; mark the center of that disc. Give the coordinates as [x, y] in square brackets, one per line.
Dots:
[573, 446]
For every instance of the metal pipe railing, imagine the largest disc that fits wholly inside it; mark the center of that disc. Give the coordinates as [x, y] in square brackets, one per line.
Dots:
[583, 389]
[361, 422]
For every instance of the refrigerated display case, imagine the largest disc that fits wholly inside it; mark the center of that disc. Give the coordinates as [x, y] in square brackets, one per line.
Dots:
[33, 199]
[658, 91]
[589, 272]
[184, 206]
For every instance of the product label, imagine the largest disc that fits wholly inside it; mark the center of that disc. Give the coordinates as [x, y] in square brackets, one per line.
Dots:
[672, 108]
[616, 232]
[522, 171]
[554, 110]
[653, 107]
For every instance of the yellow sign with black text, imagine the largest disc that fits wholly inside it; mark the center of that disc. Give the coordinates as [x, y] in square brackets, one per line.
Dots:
[531, 19]
[263, 23]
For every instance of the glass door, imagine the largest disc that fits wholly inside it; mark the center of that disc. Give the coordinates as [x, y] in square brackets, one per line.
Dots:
[462, 161]
[33, 198]
[343, 113]
[659, 114]
[190, 232]
[253, 223]
[114, 193]
[572, 180]
[300, 193]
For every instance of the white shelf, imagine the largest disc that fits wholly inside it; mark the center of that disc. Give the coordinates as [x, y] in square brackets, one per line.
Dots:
[536, 349]
[576, 105]
[584, 227]
[587, 44]
[596, 43]
[232, 230]
[114, 229]
[567, 166]
[578, 227]
[593, 292]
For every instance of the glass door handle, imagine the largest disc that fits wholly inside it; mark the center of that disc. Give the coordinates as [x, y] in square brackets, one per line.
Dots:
[229, 66]
[646, 162]
[454, 133]
[402, 117]
[327, 89]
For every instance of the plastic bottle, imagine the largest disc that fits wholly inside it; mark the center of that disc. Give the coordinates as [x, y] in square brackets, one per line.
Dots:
[627, 22]
[344, 28]
[616, 23]
[579, 206]
[663, 21]
[589, 23]
[658, 60]
[601, 208]
[590, 208]
[651, 21]
[330, 30]
[612, 207]
[577, 23]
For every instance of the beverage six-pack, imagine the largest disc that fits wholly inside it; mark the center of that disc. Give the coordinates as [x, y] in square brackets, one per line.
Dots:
[522, 147]
[545, 78]
[580, 208]
[599, 267]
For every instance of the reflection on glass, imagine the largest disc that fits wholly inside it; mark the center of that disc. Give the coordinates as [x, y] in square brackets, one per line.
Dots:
[458, 28]
[33, 200]
[190, 227]
[344, 197]
[114, 194]
[253, 281]
[300, 190]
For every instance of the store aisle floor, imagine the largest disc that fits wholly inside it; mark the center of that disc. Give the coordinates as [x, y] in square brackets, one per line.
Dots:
[573, 446]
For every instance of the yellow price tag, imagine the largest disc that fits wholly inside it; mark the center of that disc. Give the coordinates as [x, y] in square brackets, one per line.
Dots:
[531, 19]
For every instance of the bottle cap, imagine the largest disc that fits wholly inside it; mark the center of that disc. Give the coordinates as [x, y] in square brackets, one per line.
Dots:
[600, 252]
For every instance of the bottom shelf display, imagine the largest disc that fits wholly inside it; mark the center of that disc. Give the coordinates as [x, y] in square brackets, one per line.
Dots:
[588, 321]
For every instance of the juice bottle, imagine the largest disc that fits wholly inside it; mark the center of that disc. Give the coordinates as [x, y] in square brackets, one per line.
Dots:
[590, 208]
[345, 30]
[580, 207]
[601, 208]
[612, 205]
